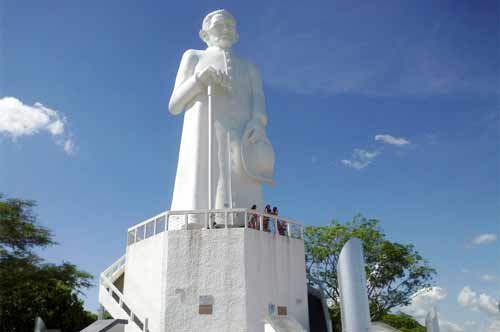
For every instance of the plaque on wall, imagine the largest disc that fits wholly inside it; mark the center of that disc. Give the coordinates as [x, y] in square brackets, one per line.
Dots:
[282, 311]
[206, 303]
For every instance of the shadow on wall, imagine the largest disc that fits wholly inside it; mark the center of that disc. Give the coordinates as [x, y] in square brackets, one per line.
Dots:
[319, 319]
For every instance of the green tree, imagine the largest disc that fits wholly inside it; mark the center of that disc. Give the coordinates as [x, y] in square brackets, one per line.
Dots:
[393, 271]
[402, 322]
[19, 232]
[29, 287]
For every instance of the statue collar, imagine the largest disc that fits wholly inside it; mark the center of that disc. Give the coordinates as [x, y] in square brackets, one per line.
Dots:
[217, 48]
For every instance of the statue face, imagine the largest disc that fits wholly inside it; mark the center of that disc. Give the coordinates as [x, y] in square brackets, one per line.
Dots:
[222, 32]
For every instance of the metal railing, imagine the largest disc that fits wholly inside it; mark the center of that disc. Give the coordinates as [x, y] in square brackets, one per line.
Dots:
[115, 267]
[217, 218]
[117, 296]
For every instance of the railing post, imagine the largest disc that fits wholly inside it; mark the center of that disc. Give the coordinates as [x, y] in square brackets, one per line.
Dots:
[167, 217]
[146, 324]
[288, 229]
[225, 219]
[246, 219]
[302, 232]
[186, 220]
[100, 312]
[206, 220]
[276, 230]
[261, 222]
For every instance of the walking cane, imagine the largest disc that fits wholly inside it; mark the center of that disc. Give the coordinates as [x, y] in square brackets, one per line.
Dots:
[210, 125]
[209, 93]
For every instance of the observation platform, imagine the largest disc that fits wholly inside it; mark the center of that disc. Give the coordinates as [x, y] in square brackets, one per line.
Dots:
[232, 270]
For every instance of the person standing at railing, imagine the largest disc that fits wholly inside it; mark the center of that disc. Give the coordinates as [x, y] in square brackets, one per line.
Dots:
[281, 224]
[252, 222]
[274, 222]
[265, 226]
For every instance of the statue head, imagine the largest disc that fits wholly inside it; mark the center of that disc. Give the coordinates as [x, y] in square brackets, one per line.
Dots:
[219, 29]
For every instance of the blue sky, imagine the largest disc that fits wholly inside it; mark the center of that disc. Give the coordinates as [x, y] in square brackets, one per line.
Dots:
[336, 74]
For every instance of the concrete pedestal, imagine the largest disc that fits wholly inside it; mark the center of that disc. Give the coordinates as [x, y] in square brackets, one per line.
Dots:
[216, 280]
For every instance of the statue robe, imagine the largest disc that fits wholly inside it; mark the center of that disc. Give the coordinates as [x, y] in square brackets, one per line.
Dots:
[232, 110]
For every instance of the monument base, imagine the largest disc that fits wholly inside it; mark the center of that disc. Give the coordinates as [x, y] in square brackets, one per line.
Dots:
[213, 280]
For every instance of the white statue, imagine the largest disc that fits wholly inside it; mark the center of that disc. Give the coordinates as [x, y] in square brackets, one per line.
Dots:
[222, 94]
[432, 321]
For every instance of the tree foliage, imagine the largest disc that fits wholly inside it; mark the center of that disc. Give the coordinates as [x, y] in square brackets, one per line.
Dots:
[393, 271]
[402, 322]
[19, 232]
[29, 287]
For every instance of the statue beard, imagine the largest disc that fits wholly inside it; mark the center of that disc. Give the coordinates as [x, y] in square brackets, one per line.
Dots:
[224, 42]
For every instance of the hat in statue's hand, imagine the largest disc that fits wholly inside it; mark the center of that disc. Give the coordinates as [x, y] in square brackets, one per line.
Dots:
[258, 160]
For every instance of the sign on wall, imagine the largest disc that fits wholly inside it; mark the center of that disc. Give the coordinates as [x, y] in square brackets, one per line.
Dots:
[206, 303]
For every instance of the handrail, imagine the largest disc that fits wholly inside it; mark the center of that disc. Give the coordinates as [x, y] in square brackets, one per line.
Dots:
[200, 211]
[117, 265]
[142, 223]
[150, 225]
[106, 283]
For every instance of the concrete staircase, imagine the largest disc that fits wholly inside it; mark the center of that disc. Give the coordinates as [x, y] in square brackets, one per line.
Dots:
[112, 299]
[106, 325]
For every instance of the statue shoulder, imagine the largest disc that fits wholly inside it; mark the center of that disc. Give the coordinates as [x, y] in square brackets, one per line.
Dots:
[191, 55]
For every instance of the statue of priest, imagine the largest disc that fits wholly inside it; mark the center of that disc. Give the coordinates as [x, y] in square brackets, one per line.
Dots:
[241, 156]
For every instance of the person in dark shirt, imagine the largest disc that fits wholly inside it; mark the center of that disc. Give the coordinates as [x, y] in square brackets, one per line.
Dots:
[267, 210]
[281, 224]
[252, 222]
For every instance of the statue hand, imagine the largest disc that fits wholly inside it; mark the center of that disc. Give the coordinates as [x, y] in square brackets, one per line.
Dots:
[254, 132]
[211, 76]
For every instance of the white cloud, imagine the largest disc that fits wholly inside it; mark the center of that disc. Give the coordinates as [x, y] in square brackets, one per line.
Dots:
[56, 127]
[18, 119]
[494, 326]
[389, 139]
[488, 305]
[489, 278]
[447, 326]
[69, 146]
[423, 301]
[426, 299]
[360, 158]
[467, 297]
[484, 239]
[471, 325]
[483, 303]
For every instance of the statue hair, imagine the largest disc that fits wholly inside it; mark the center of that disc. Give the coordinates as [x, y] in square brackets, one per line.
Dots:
[207, 21]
